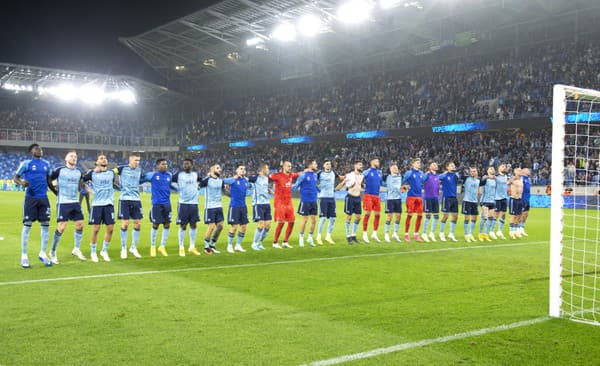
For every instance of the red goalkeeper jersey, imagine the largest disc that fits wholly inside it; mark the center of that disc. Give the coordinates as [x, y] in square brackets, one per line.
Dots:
[283, 186]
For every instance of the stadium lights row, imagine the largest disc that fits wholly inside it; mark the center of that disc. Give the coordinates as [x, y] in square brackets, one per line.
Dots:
[309, 25]
[88, 93]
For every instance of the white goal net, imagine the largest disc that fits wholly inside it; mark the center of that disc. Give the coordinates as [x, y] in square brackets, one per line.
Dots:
[575, 222]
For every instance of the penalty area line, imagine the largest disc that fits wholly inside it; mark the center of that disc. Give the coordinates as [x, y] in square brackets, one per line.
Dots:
[426, 342]
[264, 264]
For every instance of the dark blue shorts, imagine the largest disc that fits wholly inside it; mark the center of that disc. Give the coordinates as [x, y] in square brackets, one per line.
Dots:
[102, 215]
[489, 205]
[432, 205]
[449, 205]
[261, 212]
[187, 214]
[213, 215]
[68, 212]
[500, 205]
[393, 206]
[237, 215]
[516, 206]
[469, 208]
[130, 210]
[307, 209]
[160, 214]
[36, 209]
[352, 205]
[327, 207]
[525, 205]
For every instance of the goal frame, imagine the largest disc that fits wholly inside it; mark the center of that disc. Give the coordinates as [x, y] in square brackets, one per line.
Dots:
[559, 106]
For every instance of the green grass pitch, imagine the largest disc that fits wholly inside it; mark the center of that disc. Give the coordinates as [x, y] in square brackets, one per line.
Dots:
[284, 307]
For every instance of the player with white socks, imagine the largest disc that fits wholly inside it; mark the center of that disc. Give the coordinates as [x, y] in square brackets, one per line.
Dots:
[160, 213]
[34, 175]
[449, 182]
[469, 204]
[238, 212]
[103, 182]
[487, 202]
[187, 208]
[500, 204]
[69, 182]
[431, 200]
[326, 180]
[371, 200]
[307, 183]
[261, 206]
[393, 203]
[130, 204]
[516, 204]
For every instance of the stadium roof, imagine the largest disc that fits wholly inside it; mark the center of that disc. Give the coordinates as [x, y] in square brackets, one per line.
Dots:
[209, 47]
[33, 79]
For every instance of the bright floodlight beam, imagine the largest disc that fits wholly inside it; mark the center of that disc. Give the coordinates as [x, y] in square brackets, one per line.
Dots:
[309, 25]
[389, 4]
[354, 11]
[254, 41]
[91, 94]
[127, 96]
[65, 92]
[284, 32]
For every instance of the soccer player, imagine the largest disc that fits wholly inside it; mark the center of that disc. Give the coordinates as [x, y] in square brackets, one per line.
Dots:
[353, 182]
[238, 212]
[213, 208]
[160, 213]
[326, 180]
[307, 183]
[371, 200]
[69, 181]
[34, 175]
[284, 211]
[261, 206]
[469, 204]
[414, 202]
[130, 205]
[488, 182]
[103, 182]
[516, 203]
[500, 203]
[187, 208]
[526, 197]
[432, 204]
[393, 203]
[449, 180]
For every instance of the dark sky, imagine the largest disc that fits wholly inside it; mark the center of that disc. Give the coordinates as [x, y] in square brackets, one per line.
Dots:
[83, 35]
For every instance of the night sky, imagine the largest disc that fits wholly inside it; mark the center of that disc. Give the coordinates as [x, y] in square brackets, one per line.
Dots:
[83, 35]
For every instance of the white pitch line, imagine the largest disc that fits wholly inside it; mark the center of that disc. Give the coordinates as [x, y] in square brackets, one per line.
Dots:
[263, 264]
[425, 342]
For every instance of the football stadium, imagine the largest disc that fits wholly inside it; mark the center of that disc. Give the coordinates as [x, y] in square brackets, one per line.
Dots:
[293, 182]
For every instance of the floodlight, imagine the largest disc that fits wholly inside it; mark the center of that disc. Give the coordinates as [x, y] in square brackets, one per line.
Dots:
[354, 11]
[254, 41]
[91, 94]
[284, 32]
[64, 92]
[309, 25]
[126, 96]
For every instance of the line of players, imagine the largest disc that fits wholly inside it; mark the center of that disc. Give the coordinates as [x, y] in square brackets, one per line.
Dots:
[315, 186]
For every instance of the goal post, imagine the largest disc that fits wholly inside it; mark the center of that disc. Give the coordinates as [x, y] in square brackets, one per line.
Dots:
[575, 210]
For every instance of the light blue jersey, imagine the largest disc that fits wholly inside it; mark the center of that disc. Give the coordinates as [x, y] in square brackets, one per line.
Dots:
[213, 192]
[393, 182]
[501, 187]
[470, 186]
[130, 180]
[260, 195]
[488, 192]
[326, 182]
[102, 187]
[68, 184]
[187, 186]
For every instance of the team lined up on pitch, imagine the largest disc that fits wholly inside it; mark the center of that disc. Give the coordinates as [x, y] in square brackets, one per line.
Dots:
[317, 196]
